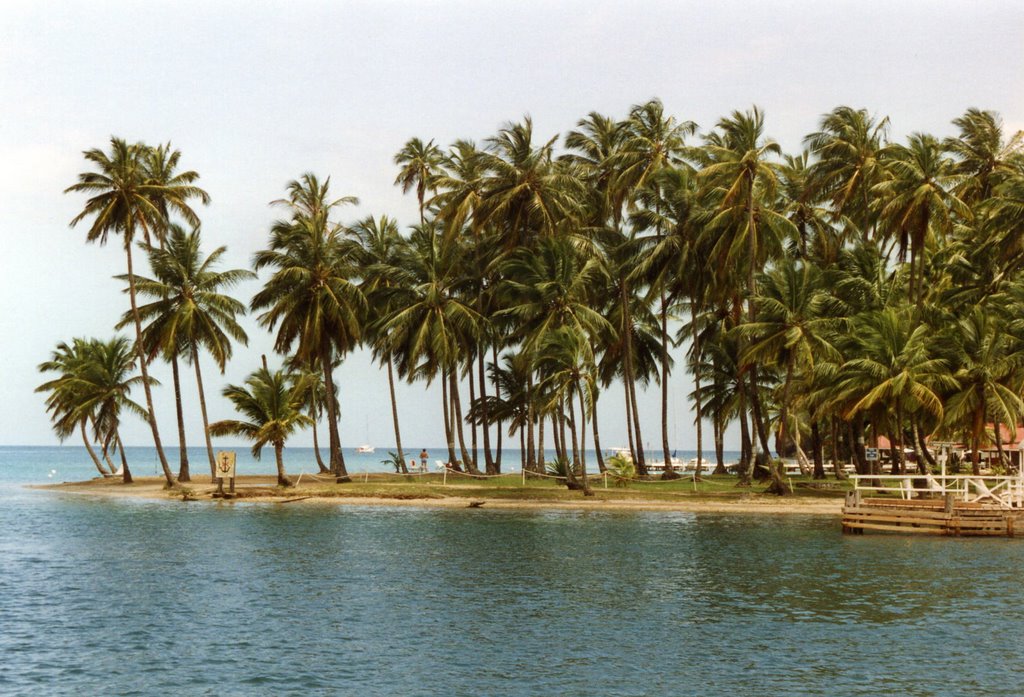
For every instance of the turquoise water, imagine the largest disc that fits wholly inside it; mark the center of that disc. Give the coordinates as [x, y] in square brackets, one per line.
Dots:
[140, 598]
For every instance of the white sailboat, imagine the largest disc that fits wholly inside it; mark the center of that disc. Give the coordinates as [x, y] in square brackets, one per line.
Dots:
[366, 447]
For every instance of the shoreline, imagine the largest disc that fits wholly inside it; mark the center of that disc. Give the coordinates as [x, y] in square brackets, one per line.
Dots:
[261, 489]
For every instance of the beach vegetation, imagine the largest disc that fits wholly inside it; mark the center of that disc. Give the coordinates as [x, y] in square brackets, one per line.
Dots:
[863, 287]
[273, 405]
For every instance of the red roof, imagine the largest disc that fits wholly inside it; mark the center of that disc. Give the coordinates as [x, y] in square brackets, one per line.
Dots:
[1010, 442]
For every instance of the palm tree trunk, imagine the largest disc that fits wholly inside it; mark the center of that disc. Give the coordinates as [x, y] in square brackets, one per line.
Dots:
[778, 486]
[558, 436]
[719, 438]
[126, 474]
[627, 329]
[144, 368]
[840, 473]
[759, 426]
[999, 444]
[896, 441]
[446, 413]
[92, 453]
[641, 459]
[488, 455]
[629, 423]
[473, 449]
[855, 433]
[573, 434]
[394, 417]
[583, 442]
[696, 390]
[745, 465]
[282, 480]
[469, 463]
[202, 409]
[924, 456]
[110, 463]
[583, 430]
[562, 423]
[531, 455]
[337, 460]
[541, 455]
[806, 469]
[500, 423]
[316, 443]
[573, 465]
[183, 474]
[976, 431]
[597, 438]
[817, 452]
[667, 454]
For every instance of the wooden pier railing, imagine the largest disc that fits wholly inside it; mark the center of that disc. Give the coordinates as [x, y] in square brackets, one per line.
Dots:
[936, 504]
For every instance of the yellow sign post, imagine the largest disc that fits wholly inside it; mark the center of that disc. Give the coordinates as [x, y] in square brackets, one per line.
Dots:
[225, 470]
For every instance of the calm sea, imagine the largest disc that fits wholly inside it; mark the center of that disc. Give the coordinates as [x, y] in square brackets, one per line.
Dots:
[125, 597]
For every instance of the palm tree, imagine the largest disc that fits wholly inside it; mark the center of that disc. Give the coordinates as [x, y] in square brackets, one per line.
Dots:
[632, 348]
[892, 370]
[790, 332]
[316, 395]
[125, 199]
[96, 378]
[565, 362]
[653, 142]
[171, 188]
[848, 148]
[460, 187]
[1003, 220]
[548, 288]
[419, 165]
[311, 298]
[746, 231]
[509, 404]
[596, 146]
[916, 205]
[460, 193]
[66, 393]
[989, 362]
[816, 237]
[983, 157]
[525, 192]
[273, 404]
[190, 313]
[744, 180]
[668, 259]
[431, 321]
[381, 256]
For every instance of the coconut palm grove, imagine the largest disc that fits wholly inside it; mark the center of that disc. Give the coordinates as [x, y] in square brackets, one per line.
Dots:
[863, 288]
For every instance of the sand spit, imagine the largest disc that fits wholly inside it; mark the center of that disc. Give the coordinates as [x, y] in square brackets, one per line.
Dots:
[262, 489]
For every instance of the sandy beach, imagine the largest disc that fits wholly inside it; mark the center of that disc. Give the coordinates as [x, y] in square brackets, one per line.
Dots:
[261, 489]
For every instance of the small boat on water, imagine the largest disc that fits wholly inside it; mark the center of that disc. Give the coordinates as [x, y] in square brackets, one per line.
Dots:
[366, 449]
[704, 464]
[678, 464]
[681, 466]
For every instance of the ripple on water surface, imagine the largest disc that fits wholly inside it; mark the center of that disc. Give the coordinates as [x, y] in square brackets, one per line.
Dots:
[156, 598]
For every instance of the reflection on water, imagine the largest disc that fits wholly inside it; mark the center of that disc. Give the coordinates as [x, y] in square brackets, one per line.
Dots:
[159, 598]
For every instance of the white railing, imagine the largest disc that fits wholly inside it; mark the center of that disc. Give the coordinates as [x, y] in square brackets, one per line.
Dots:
[998, 491]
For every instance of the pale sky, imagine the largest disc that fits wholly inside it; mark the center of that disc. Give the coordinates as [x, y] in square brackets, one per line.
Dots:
[255, 94]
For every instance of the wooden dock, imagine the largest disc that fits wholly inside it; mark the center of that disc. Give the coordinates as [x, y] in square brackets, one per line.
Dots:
[944, 506]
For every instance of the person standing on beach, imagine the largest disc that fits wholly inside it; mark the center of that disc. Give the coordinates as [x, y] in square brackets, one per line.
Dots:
[423, 459]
